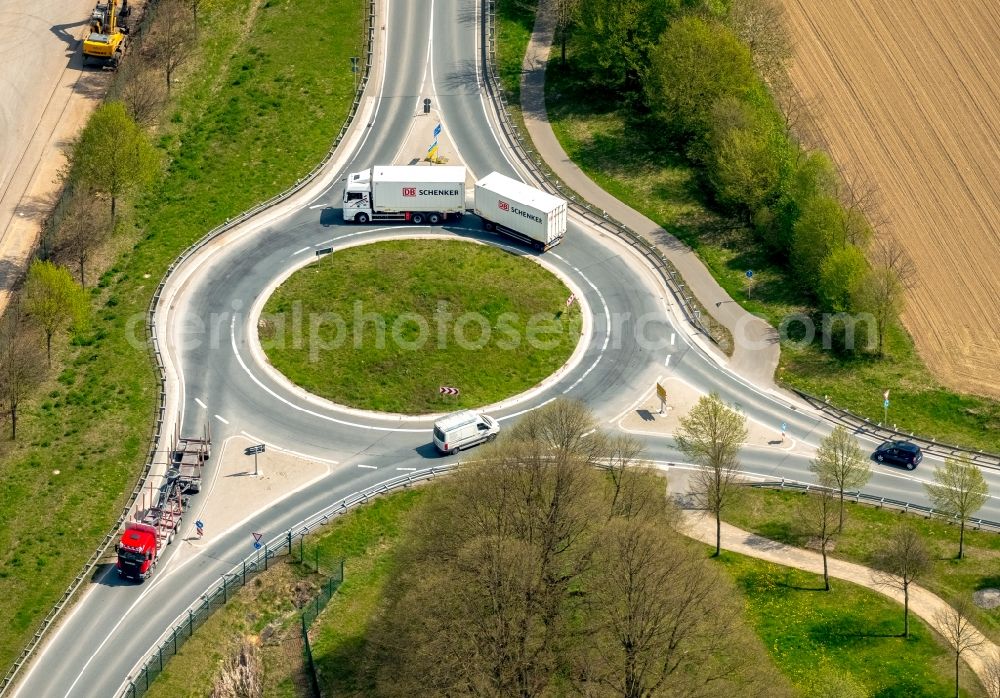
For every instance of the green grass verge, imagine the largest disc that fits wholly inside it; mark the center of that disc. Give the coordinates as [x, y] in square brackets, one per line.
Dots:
[515, 20]
[365, 539]
[773, 513]
[623, 157]
[250, 118]
[849, 630]
[385, 325]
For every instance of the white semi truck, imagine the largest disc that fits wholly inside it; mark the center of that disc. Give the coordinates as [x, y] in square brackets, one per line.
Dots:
[414, 193]
[520, 211]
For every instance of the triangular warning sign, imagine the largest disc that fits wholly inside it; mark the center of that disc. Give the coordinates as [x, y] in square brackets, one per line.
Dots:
[257, 536]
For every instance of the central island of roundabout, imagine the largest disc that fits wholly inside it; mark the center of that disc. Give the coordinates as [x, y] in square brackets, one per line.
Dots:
[384, 326]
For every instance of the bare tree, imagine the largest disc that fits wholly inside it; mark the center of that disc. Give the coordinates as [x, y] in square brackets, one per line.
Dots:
[22, 366]
[954, 624]
[171, 37]
[991, 674]
[566, 12]
[144, 98]
[84, 226]
[762, 26]
[960, 491]
[882, 294]
[902, 560]
[711, 436]
[819, 520]
[840, 464]
[633, 491]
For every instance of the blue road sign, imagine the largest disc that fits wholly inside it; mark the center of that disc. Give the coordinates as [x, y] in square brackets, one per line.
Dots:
[749, 273]
[256, 545]
[885, 404]
[784, 427]
[198, 524]
[437, 130]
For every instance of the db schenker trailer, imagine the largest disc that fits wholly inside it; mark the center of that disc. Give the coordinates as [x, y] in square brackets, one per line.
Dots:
[159, 521]
[415, 193]
[520, 211]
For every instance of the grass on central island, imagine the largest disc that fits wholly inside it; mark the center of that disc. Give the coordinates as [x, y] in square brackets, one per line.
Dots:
[384, 326]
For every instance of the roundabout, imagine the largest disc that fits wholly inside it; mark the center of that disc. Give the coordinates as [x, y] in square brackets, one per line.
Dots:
[385, 326]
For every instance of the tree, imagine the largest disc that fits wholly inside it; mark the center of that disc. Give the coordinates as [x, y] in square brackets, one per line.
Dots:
[82, 229]
[959, 491]
[171, 37]
[815, 234]
[614, 39]
[818, 518]
[840, 465]
[711, 436]
[954, 624]
[902, 560]
[21, 367]
[144, 98]
[695, 64]
[53, 299]
[761, 25]
[841, 274]
[566, 13]
[882, 293]
[113, 155]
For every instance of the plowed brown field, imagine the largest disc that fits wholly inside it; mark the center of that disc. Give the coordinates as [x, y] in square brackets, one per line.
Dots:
[907, 93]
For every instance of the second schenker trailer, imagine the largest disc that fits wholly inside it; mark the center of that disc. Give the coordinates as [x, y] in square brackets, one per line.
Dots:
[434, 194]
[520, 211]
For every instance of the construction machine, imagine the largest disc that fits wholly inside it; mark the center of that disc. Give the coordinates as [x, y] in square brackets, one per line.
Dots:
[105, 45]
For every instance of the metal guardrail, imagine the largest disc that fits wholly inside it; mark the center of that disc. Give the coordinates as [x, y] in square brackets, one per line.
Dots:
[154, 347]
[547, 181]
[879, 502]
[857, 423]
[236, 577]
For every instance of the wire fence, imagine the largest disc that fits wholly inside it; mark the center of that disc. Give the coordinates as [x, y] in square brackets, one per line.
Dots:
[292, 543]
[309, 614]
[152, 340]
[879, 502]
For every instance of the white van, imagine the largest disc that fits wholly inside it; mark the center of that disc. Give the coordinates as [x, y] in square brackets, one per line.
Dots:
[464, 429]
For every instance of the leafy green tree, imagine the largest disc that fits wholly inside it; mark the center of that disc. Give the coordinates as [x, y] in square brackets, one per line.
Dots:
[614, 38]
[746, 158]
[695, 64]
[816, 232]
[882, 293]
[840, 277]
[113, 155]
[960, 491]
[812, 175]
[711, 435]
[53, 299]
[841, 465]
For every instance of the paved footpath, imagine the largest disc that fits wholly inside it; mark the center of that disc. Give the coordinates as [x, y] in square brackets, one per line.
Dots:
[701, 526]
[756, 348]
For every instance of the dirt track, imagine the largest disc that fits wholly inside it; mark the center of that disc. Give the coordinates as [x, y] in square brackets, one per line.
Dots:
[907, 92]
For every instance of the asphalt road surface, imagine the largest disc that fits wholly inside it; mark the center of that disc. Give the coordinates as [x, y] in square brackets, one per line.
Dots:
[432, 49]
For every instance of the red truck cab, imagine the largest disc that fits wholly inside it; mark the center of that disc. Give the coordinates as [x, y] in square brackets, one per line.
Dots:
[137, 551]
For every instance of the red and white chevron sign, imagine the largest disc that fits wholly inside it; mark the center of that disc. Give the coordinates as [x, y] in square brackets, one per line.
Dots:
[445, 390]
[569, 301]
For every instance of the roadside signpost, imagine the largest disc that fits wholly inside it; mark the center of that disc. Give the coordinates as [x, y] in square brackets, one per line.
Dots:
[256, 540]
[749, 281]
[885, 407]
[199, 528]
[784, 428]
[661, 393]
[253, 451]
[447, 390]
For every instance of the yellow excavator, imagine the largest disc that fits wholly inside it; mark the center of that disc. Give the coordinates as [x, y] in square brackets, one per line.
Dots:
[108, 38]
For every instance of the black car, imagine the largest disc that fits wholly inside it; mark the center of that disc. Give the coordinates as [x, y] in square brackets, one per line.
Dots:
[899, 452]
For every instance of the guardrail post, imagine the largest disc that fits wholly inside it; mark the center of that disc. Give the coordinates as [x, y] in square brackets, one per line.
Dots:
[225, 590]
[244, 572]
[266, 556]
[190, 622]
[174, 633]
[289, 541]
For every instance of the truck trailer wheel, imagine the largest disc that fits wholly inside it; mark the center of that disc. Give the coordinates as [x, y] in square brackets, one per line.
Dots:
[434, 218]
[417, 218]
[489, 225]
[361, 218]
